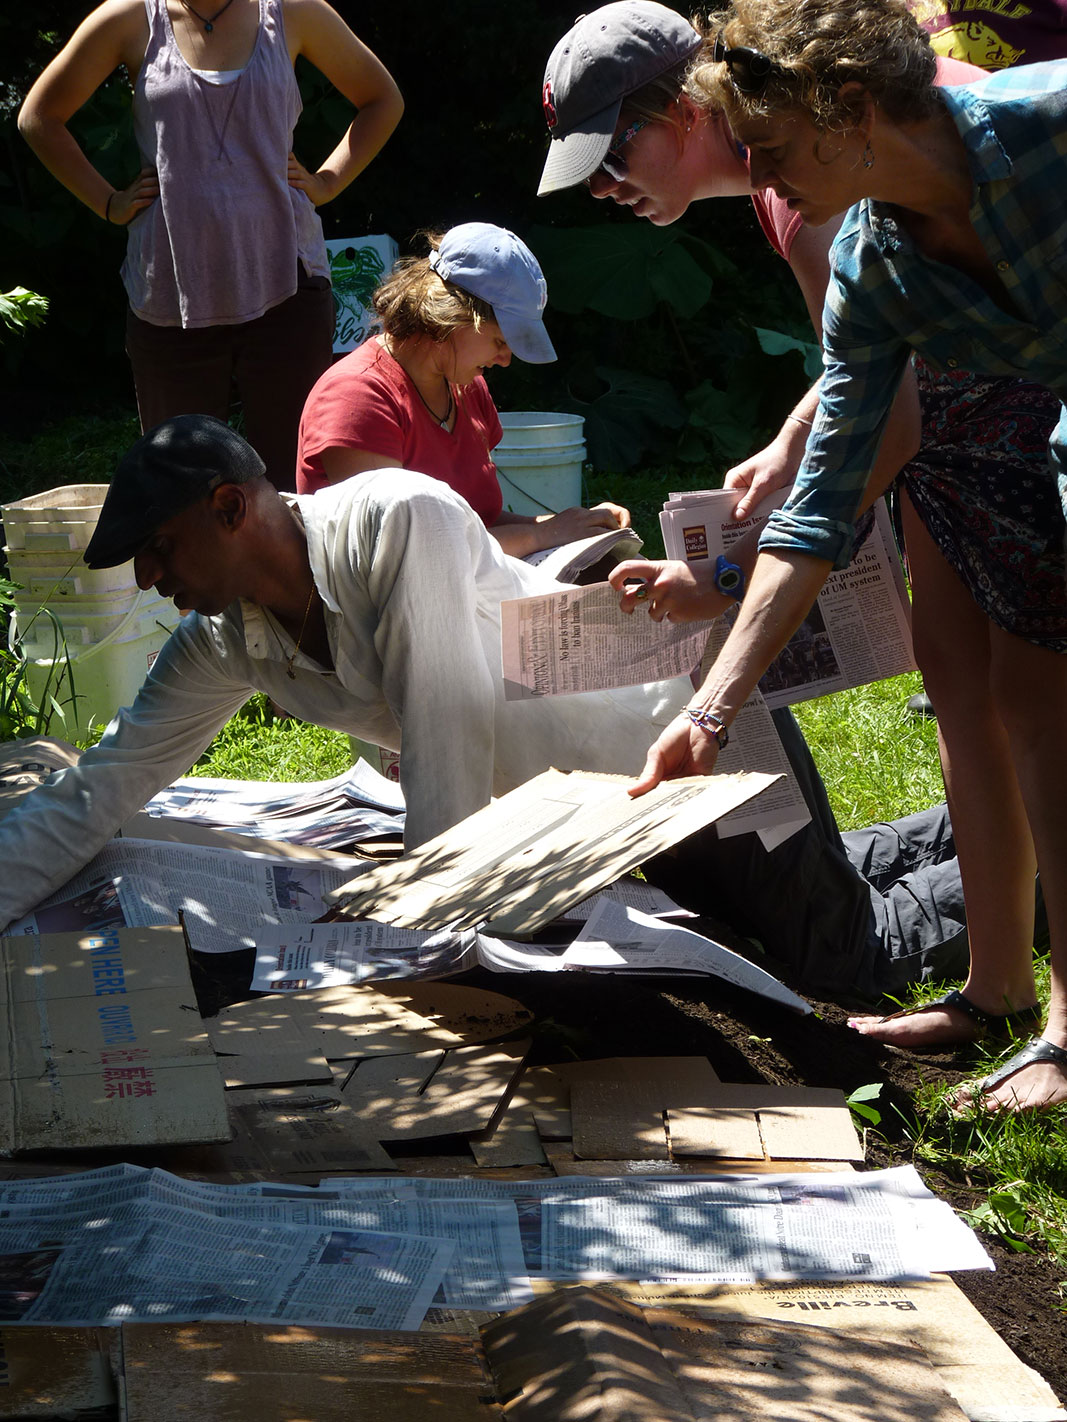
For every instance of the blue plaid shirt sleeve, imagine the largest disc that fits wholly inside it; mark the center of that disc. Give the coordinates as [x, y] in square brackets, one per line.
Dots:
[863, 366]
[885, 299]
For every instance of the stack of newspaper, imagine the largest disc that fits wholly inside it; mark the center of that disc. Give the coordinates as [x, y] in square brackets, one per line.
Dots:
[356, 805]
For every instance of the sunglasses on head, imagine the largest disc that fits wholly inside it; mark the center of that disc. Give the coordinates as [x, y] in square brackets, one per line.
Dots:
[750, 69]
[613, 163]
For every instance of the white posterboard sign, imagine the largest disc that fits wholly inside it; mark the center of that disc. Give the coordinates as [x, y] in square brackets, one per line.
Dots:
[357, 266]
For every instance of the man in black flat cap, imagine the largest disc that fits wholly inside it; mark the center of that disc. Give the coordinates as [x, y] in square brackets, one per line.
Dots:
[368, 606]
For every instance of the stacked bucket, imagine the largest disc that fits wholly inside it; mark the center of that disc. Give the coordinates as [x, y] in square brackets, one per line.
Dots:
[109, 632]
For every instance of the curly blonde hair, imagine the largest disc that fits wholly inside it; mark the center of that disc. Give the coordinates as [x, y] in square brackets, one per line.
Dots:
[816, 47]
[415, 303]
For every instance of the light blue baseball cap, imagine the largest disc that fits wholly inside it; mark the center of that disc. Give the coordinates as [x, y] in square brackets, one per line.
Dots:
[492, 264]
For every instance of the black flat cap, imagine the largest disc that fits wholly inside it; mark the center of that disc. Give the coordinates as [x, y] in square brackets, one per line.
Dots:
[168, 469]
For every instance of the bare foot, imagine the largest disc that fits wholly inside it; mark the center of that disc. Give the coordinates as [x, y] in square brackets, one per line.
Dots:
[922, 1030]
[1034, 1086]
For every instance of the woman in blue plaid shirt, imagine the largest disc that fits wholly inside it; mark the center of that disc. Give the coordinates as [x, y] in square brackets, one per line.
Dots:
[953, 248]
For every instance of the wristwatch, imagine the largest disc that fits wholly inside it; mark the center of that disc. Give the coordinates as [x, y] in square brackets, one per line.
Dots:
[729, 578]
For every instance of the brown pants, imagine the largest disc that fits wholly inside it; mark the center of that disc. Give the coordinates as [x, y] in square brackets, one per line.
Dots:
[271, 363]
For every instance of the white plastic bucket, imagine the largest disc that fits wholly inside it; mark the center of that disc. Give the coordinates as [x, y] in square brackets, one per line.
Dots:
[539, 461]
[55, 520]
[85, 621]
[45, 576]
[106, 674]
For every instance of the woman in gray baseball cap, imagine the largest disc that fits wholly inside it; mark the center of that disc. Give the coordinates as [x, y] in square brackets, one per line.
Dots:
[982, 518]
[414, 396]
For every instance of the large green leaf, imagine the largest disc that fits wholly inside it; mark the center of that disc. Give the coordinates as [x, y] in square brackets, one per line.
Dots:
[728, 418]
[777, 343]
[628, 418]
[620, 270]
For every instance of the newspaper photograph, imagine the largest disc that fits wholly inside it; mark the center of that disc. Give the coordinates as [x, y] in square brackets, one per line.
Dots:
[859, 629]
[579, 639]
[226, 896]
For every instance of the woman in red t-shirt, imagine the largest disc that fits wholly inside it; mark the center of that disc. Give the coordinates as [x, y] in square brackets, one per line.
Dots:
[414, 397]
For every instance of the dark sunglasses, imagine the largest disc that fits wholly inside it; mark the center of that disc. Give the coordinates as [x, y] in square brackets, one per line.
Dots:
[750, 69]
[613, 163]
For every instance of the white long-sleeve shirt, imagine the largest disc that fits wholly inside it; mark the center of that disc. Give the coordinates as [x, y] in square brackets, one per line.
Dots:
[411, 585]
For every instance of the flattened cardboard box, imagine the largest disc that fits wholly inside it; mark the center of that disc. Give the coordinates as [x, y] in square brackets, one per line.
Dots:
[55, 1372]
[104, 1045]
[537, 851]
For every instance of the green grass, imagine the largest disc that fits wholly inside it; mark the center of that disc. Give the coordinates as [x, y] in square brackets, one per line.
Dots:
[257, 744]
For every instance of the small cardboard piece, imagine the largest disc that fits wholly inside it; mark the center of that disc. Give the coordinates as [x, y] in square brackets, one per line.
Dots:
[618, 1104]
[580, 1353]
[55, 1372]
[105, 1045]
[529, 856]
[233, 1372]
[434, 1093]
[776, 1122]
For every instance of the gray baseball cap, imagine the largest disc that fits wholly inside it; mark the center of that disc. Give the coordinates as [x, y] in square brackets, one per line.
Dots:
[604, 56]
[494, 265]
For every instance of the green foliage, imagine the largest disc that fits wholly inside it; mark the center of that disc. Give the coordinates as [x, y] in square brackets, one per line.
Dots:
[260, 744]
[20, 309]
[858, 1102]
[22, 713]
[878, 761]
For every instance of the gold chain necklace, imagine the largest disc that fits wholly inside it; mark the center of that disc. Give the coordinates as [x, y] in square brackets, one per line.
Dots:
[303, 628]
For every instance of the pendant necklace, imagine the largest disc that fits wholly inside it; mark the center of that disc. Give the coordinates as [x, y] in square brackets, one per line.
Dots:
[289, 671]
[437, 419]
[208, 24]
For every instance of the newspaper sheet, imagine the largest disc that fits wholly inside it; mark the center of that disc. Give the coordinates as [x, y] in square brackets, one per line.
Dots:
[113, 1249]
[879, 1225]
[568, 562]
[487, 1270]
[227, 896]
[859, 628]
[579, 639]
[315, 955]
[358, 804]
[616, 937]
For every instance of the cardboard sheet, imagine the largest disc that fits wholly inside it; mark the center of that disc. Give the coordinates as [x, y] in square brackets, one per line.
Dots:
[618, 1104]
[973, 1362]
[55, 1372]
[776, 1122]
[104, 1044]
[225, 1372]
[581, 1354]
[534, 853]
[434, 1093]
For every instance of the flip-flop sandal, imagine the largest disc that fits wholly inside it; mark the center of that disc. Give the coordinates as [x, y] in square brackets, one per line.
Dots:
[1036, 1050]
[998, 1026]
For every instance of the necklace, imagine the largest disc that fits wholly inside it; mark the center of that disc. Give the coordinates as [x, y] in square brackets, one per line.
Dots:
[441, 420]
[208, 24]
[303, 628]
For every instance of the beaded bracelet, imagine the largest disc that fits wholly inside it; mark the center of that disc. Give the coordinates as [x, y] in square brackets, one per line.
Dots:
[710, 722]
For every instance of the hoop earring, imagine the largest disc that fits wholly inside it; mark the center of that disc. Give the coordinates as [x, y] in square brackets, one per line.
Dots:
[868, 155]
